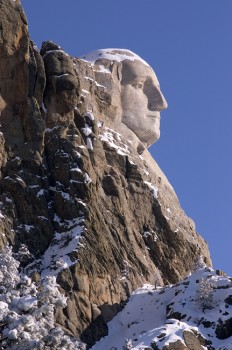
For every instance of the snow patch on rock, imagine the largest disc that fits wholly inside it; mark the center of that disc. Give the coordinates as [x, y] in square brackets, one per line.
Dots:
[118, 55]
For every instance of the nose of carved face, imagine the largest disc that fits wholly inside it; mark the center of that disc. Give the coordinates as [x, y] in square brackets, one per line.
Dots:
[156, 100]
[162, 102]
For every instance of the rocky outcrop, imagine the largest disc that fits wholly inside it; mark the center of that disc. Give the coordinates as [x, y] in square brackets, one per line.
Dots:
[90, 207]
[22, 82]
[190, 342]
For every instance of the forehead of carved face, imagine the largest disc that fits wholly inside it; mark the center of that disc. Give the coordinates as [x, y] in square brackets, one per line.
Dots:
[141, 100]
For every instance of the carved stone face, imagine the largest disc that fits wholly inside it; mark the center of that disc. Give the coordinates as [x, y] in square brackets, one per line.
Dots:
[134, 89]
[141, 101]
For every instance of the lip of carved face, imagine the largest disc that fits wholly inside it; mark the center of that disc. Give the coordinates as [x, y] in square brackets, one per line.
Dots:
[155, 115]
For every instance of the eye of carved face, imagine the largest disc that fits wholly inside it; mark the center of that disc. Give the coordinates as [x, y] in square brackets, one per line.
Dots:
[139, 85]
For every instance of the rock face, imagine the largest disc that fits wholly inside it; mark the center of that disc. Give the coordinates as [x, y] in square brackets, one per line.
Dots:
[79, 188]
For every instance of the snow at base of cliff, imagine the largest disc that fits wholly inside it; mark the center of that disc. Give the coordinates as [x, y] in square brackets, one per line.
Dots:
[201, 304]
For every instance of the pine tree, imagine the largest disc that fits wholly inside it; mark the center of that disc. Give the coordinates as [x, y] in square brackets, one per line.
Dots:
[158, 281]
[204, 294]
[199, 264]
[27, 310]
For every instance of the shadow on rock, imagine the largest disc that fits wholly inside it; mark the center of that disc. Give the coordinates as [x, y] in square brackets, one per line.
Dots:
[98, 328]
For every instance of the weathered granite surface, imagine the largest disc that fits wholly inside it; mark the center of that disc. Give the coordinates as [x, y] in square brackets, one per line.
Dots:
[68, 163]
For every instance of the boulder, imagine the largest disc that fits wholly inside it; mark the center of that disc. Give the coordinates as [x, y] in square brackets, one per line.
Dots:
[224, 329]
[177, 345]
[192, 341]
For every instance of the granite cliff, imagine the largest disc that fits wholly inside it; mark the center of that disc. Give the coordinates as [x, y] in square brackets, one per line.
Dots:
[78, 188]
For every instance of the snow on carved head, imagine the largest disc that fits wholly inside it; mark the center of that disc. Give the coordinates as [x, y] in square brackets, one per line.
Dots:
[140, 97]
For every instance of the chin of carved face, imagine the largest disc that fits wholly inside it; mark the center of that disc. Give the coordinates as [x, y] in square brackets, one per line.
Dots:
[145, 126]
[142, 101]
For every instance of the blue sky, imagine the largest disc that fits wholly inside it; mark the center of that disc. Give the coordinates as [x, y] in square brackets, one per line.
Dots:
[189, 45]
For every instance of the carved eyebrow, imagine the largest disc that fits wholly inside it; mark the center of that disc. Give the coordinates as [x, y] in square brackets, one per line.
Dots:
[139, 79]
